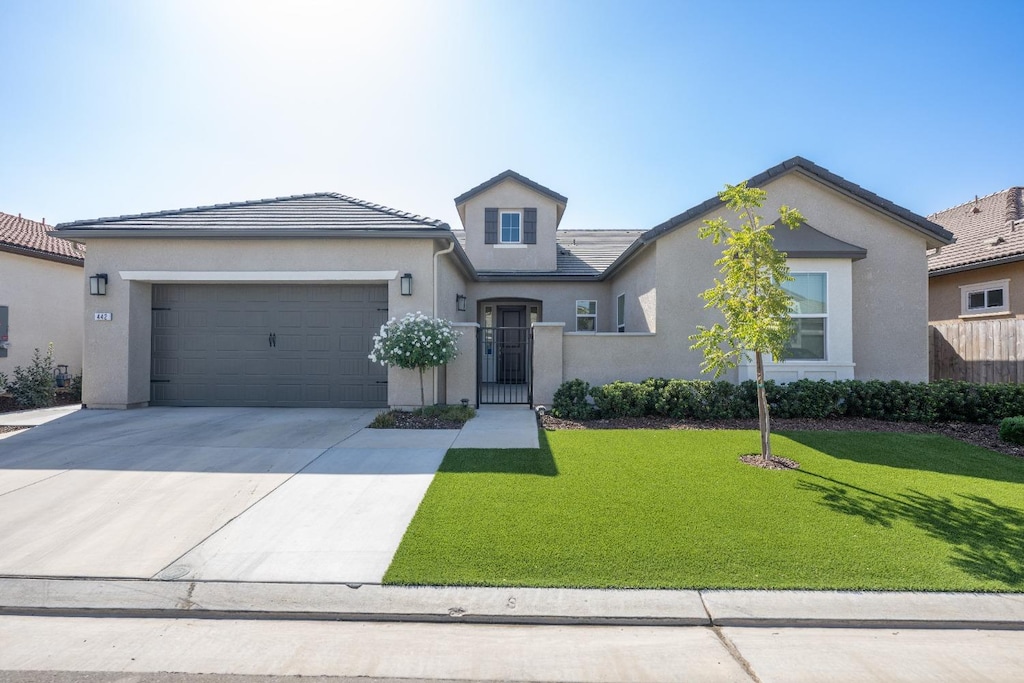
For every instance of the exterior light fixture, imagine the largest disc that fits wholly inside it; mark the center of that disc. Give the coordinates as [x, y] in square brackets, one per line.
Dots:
[407, 284]
[98, 284]
[460, 302]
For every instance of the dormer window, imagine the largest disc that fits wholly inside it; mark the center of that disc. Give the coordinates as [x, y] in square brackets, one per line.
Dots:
[511, 231]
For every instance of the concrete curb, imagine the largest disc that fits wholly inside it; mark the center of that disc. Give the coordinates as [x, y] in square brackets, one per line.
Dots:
[371, 602]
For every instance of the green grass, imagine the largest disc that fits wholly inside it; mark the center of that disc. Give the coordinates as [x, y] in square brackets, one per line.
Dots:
[676, 509]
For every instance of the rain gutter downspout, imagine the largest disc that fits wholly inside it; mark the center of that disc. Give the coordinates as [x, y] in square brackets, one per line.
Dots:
[450, 249]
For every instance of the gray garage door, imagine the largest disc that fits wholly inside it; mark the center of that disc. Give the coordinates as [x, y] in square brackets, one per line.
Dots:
[267, 345]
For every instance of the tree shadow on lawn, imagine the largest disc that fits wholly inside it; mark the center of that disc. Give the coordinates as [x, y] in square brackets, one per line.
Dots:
[987, 539]
[923, 452]
[536, 461]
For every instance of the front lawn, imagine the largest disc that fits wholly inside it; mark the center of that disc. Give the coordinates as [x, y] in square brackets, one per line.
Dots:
[676, 509]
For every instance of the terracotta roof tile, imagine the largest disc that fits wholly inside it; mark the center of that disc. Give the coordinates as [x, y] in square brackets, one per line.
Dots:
[987, 229]
[28, 237]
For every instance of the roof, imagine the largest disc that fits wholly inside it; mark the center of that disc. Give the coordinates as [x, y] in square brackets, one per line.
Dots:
[21, 236]
[988, 230]
[934, 232]
[582, 254]
[808, 242]
[506, 175]
[306, 213]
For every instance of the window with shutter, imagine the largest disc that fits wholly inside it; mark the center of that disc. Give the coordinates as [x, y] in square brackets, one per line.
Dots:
[491, 226]
[529, 226]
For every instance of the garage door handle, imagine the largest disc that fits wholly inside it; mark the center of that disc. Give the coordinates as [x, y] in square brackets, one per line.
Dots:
[273, 338]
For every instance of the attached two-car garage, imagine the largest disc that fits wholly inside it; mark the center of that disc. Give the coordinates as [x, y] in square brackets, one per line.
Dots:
[302, 345]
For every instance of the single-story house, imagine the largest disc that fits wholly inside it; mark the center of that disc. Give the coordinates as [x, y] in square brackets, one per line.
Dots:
[40, 295]
[274, 302]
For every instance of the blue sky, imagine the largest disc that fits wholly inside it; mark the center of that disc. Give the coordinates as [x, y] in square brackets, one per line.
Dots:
[633, 110]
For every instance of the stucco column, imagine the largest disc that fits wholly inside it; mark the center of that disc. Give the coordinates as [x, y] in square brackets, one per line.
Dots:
[116, 362]
[547, 361]
[462, 371]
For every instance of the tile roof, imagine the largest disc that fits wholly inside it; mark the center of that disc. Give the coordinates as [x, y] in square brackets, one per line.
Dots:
[809, 242]
[504, 175]
[22, 236]
[987, 229]
[317, 211]
[581, 253]
[936, 232]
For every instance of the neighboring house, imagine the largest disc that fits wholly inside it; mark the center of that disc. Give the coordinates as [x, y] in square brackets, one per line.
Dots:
[40, 295]
[273, 302]
[981, 275]
[976, 291]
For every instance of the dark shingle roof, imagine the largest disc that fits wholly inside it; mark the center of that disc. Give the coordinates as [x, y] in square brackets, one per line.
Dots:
[469, 194]
[582, 254]
[318, 211]
[987, 229]
[590, 252]
[932, 230]
[22, 236]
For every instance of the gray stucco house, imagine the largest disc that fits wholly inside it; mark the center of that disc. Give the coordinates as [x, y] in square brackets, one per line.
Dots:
[273, 302]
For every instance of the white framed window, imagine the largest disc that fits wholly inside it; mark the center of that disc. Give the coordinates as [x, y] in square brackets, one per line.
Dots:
[586, 315]
[985, 298]
[511, 227]
[620, 313]
[810, 315]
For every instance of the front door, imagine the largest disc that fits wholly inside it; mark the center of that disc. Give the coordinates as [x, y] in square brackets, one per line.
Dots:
[511, 344]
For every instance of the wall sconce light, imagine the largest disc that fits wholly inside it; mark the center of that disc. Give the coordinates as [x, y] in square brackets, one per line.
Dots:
[460, 302]
[407, 284]
[98, 284]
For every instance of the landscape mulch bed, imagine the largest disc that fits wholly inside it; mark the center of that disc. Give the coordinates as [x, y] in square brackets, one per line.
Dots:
[406, 420]
[984, 435]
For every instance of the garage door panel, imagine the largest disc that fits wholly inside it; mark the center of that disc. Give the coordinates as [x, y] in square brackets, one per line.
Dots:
[212, 345]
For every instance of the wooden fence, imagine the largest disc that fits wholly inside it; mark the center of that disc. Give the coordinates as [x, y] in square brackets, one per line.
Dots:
[983, 351]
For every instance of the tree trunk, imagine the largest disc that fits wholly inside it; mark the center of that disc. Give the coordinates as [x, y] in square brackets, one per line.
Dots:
[423, 403]
[762, 411]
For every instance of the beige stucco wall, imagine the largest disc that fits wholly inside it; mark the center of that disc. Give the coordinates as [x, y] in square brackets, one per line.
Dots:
[117, 353]
[885, 334]
[944, 291]
[45, 302]
[890, 286]
[638, 281]
[510, 194]
[558, 299]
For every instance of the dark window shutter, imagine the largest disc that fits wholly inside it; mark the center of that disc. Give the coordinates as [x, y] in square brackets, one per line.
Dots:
[490, 226]
[530, 226]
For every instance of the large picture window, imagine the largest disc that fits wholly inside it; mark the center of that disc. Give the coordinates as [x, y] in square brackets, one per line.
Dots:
[511, 231]
[586, 315]
[810, 314]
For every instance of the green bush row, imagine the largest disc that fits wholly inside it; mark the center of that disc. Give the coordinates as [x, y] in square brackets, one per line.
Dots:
[943, 401]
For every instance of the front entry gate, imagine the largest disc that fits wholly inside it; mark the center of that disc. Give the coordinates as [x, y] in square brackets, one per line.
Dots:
[505, 365]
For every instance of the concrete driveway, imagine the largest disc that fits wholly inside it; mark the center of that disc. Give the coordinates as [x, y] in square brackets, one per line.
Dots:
[232, 494]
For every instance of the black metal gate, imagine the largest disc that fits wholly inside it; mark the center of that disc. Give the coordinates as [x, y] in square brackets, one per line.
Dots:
[504, 365]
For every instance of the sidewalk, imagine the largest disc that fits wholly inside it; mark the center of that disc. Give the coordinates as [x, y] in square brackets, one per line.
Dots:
[494, 427]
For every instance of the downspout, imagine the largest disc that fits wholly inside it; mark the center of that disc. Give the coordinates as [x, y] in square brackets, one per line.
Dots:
[450, 249]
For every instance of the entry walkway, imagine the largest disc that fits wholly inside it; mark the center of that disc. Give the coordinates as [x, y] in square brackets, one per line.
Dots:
[512, 426]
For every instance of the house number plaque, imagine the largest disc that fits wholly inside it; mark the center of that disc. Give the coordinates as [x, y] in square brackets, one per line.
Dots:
[103, 316]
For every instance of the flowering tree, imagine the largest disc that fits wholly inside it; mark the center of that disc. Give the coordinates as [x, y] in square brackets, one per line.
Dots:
[415, 342]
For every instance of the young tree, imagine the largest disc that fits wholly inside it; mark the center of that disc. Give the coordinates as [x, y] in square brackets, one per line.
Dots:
[750, 295]
[415, 342]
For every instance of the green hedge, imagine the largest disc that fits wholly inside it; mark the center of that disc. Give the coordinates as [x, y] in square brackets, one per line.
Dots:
[943, 401]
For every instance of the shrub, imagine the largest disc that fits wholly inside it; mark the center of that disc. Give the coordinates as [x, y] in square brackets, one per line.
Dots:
[570, 401]
[624, 399]
[75, 389]
[3, 382]
[1011, 430]
[683, 399]
[384, 420]
[33, 387]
